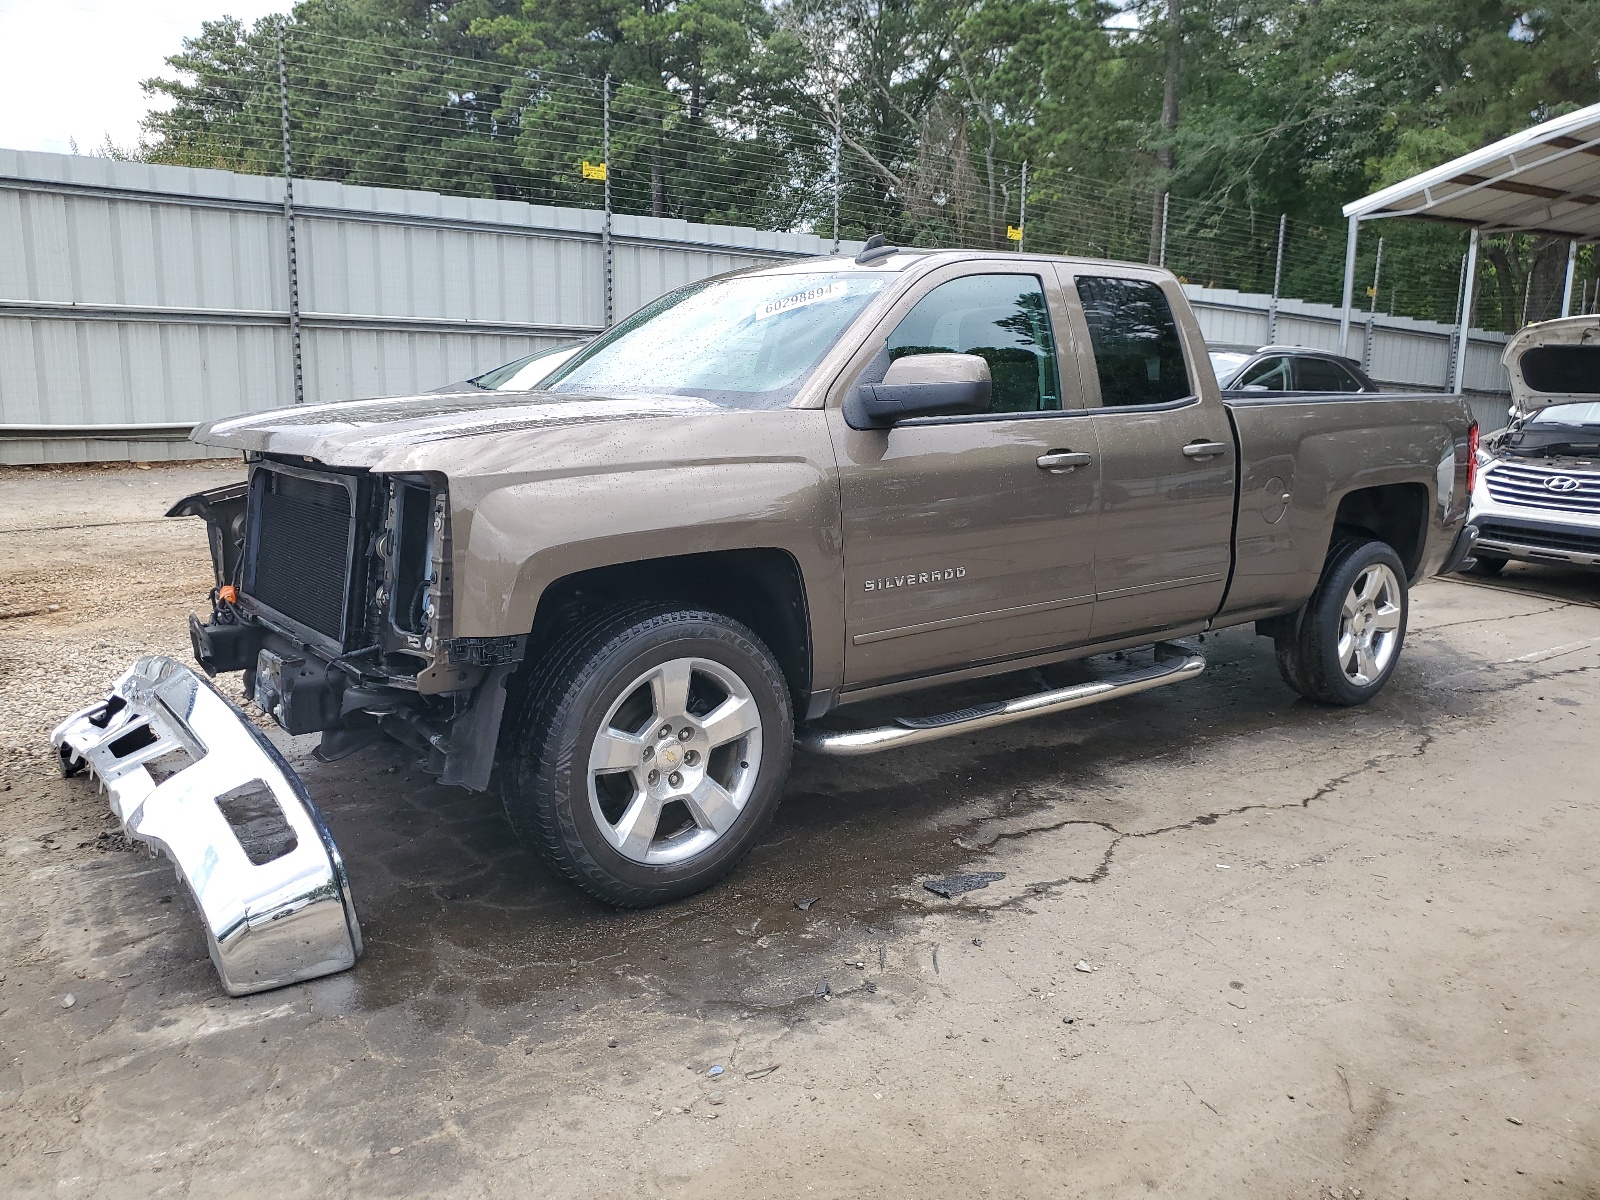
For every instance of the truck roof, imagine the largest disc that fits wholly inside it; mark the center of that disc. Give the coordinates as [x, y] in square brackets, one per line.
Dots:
[901, 258]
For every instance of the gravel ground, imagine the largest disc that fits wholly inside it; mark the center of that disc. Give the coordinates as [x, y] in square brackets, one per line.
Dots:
[1241, 946]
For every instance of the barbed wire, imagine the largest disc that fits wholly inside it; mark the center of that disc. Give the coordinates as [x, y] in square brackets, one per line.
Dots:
[388, 115]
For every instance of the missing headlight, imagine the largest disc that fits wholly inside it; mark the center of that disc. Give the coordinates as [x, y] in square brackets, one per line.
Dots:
[413, 600]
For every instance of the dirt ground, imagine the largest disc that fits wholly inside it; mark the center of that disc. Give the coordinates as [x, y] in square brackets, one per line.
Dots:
[1324, 953]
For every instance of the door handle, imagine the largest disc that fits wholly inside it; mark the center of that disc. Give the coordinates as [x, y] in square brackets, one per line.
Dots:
[1059, 461]
[1203, 449]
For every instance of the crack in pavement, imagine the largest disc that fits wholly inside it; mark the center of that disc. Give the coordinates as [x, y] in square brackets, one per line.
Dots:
[1538, 612]
[1513, 684]
[1515, 591]
[1209, 818]
[1423, 738]
[87, 525]
[1044, 887]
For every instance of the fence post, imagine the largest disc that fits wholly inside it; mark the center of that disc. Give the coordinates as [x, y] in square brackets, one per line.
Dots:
[1166, 204]
[1464, 328]
[288, 219]
[605, 229]
[1022, 208]
[1450, 361]
[1566, 290]
[1372, 309]
[1349, 283]
[838, 142]
[1277, 282]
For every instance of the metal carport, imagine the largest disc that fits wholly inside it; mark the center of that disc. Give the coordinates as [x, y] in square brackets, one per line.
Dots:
[1542, 180]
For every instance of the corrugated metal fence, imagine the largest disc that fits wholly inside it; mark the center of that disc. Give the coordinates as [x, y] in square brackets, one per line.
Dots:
[135, 295]
[1399, 353]
[136, 300]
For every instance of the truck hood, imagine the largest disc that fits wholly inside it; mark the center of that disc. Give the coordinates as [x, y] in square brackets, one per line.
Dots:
[366, 433]
[1570, 372]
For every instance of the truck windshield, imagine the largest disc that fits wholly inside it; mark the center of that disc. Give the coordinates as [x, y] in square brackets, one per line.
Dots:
[746, 342]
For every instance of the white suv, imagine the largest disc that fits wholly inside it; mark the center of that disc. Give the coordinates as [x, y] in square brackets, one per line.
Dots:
[1537, 492]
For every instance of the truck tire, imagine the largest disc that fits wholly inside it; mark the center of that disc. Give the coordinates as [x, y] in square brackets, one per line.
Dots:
[1344, 644]
[647, 754]
[1485, 564]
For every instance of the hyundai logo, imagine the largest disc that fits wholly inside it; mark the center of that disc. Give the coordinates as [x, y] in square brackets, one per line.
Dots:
[1562, 483]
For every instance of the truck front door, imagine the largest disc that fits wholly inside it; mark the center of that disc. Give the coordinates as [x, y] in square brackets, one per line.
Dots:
[970, 539]
[1167, 457]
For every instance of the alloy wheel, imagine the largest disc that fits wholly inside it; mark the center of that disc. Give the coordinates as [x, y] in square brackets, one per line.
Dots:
[674, 761]
[1369, 625]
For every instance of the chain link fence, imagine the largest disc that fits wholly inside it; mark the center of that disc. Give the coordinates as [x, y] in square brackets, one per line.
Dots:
[408, 117]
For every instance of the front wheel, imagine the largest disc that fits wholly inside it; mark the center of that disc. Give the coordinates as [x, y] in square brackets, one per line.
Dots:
[649, 754]
[1346, 642]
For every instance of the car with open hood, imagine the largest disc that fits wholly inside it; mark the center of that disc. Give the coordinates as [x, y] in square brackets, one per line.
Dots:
[1537, 496]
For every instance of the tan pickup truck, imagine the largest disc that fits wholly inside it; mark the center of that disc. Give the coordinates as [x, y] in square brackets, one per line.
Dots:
[760, 499]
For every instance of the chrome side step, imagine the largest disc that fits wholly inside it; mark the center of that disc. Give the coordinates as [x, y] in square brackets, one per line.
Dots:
[1174, 662]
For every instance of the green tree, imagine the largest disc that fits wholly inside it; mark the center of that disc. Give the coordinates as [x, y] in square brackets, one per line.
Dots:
[1196, 122]
[700, 92]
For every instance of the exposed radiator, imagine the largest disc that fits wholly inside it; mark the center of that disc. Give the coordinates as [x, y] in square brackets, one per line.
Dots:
[302, 550]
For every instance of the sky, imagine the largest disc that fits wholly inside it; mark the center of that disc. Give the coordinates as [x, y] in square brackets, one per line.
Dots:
[70, 69]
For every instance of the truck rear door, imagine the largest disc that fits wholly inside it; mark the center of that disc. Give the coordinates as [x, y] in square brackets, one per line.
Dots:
[1168, 456]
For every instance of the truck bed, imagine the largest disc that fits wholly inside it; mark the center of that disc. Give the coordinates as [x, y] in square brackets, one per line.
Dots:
[1300, 452]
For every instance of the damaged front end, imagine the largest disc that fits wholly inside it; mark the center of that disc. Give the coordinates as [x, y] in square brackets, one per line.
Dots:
[333, 599]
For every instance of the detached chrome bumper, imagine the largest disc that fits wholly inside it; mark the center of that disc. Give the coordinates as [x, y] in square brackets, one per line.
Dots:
[179, 761]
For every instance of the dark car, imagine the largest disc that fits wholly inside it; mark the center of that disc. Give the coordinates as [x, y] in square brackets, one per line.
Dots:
[1289, 369]
[521, 375]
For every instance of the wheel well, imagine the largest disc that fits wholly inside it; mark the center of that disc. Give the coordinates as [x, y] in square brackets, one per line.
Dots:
[1396, 513]
[761, 588]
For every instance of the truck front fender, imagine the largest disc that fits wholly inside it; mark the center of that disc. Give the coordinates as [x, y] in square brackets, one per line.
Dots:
[525, 536]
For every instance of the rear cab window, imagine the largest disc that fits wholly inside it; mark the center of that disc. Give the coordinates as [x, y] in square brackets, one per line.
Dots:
[1138, 352]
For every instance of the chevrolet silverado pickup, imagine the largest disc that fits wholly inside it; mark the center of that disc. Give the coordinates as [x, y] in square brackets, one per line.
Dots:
[623, 599]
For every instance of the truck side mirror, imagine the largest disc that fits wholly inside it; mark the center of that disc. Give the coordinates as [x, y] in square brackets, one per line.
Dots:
[921, 385]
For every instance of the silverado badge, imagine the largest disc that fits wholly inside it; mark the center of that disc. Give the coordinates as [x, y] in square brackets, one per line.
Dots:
[915, 578]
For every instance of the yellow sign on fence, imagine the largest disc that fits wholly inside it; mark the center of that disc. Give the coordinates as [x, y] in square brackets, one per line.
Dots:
[594, 170]
[1013, 233]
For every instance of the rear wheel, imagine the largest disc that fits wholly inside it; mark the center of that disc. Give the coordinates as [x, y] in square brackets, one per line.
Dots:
[1488, 565]
[649, 755]
[1344, 645]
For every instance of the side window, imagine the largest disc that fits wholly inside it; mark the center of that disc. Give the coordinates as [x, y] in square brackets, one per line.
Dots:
[1000, 318]
[1320, 375]
[1135, 339]
[1269, 373]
